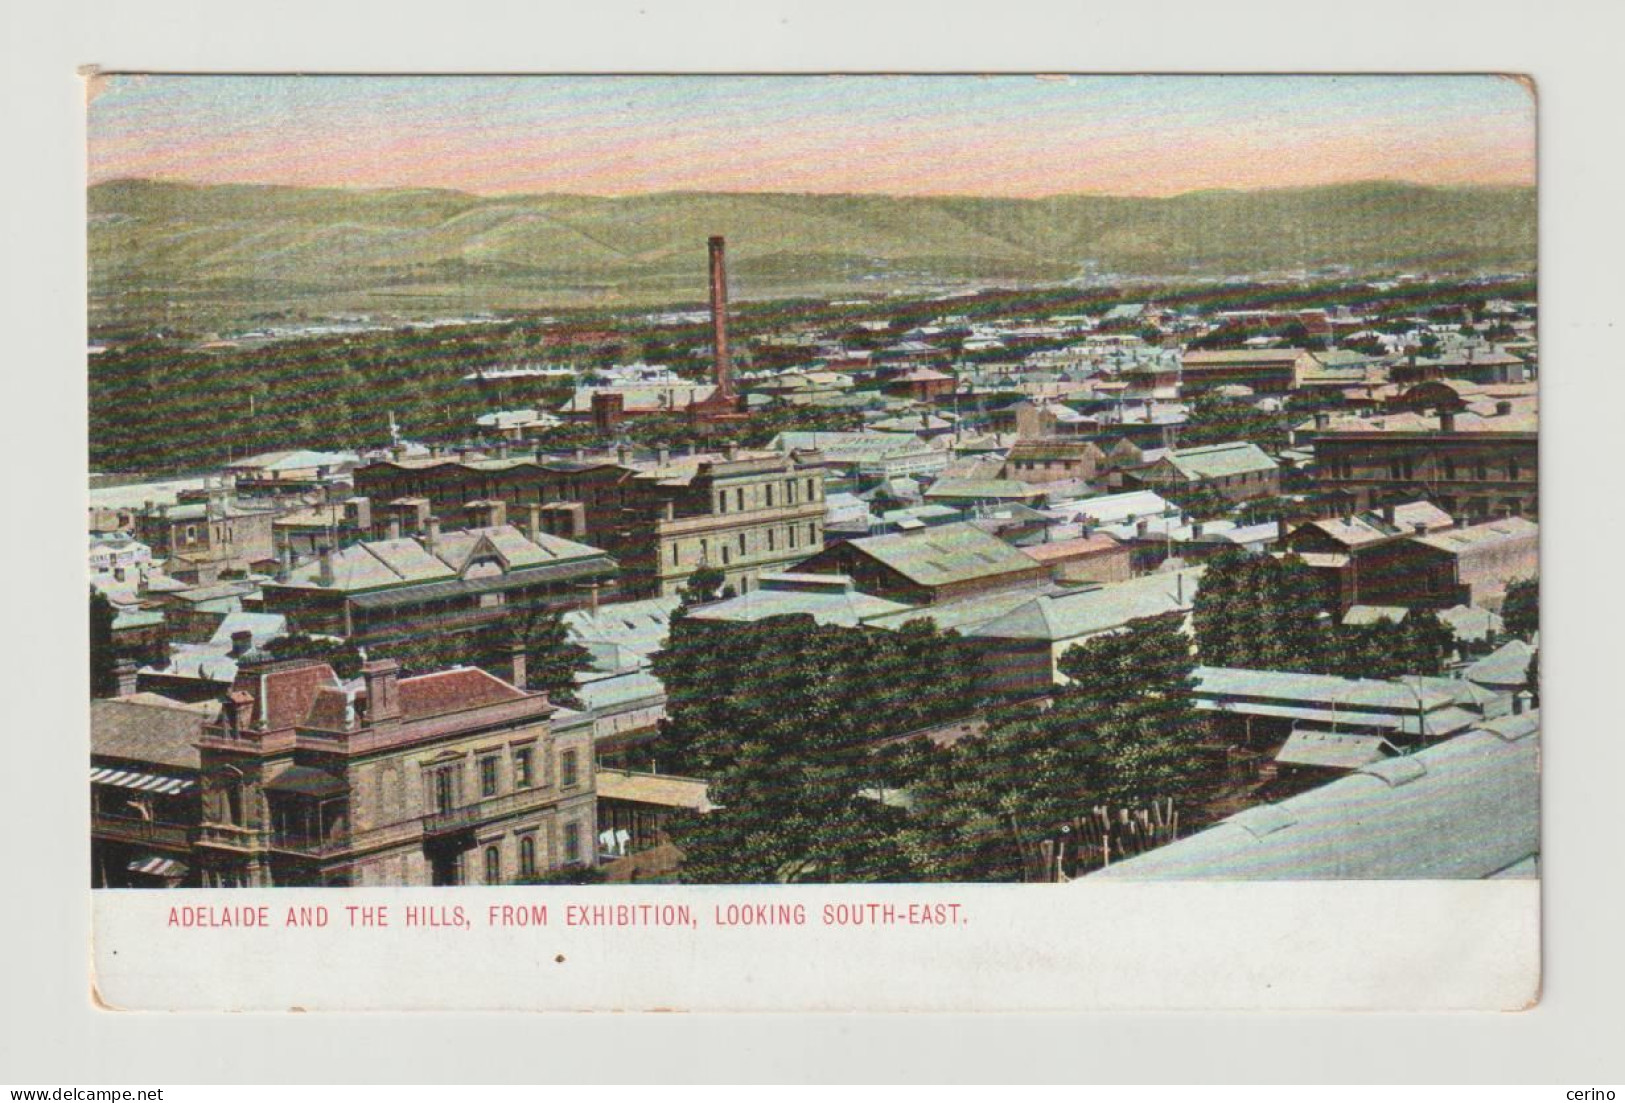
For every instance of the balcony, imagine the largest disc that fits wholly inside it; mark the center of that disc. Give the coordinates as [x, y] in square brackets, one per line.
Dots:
[455, 820]
[226, 836]
[309, 846]
[134, 829]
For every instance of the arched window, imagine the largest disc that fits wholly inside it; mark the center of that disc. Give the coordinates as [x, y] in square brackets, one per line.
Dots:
[493, 865]
[527, 856]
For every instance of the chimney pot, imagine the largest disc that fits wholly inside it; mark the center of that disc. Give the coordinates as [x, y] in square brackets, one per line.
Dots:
[431, 535]
[241, 641]
[1447, 421]
[1388, 514]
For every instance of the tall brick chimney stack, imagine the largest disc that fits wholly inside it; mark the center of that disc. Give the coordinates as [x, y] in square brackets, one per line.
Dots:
[719, 317]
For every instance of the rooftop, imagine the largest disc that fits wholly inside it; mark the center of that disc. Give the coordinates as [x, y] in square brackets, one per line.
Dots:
[1464, 808]
[945, 554]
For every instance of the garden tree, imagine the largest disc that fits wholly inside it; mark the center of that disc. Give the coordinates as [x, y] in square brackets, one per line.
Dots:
[103, 680]
[342, 655]
[1520, 612]
[1197, 501]
[1261, 612]
[705, 584]
[1419, 644]
[551, 657]
[1215, 419]
[780, 715]
[1121, 733]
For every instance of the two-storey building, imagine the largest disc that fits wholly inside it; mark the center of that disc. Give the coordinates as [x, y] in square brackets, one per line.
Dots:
[449, 778]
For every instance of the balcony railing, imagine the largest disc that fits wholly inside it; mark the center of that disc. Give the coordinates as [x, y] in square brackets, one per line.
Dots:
[308, 845]
[468, 816]
[133, 829]
[230, 836]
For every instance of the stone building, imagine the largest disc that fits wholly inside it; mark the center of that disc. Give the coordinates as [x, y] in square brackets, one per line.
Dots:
[443, 581]
[449, 778]
[659, 516]
[744, 514]
[1239, 471]
[1472, 466]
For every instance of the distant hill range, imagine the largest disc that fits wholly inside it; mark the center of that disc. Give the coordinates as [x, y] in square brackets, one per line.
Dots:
[198, 253]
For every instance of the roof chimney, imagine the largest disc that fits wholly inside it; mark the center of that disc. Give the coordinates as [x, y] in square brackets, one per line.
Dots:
[1503, 408]
[1388, 514]
[241, 641]
[534, 528]
[431, 534]
[394, 528]
[719, 317]
[326, 569]
[1447, 421]
[1420, 527]
[382, 678]
[124, 674]
[521, 676]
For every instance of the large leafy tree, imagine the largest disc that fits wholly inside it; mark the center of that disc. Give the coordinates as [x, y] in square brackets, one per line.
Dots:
[782, 716]
[1122, 732]
[1521, 610]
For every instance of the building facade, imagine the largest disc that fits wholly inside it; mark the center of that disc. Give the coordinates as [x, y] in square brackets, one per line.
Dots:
[1473, 467]
[449, 778]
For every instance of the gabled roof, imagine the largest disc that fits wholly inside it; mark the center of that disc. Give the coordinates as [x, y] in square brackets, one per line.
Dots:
[945, 554]
[162, 734]
[1067, 616]
[453, 690]
[1215, 461]
[1467, 807]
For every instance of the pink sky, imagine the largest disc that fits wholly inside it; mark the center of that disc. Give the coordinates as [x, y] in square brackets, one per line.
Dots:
[1004, 136]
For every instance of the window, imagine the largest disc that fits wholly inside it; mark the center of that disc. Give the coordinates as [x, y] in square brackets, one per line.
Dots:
[790, 531]
[488, 776]
[444, 789]
[521, 768]
[769, 495]
[527, 856]
[674, 554]
[727, 554]
[812, 491]
[741, 543]
[812, 532]
[1512, 470]
[1449, 468]
[739, 498]
[493, 865]
[772, 544]
[567, 769]
[572, 842]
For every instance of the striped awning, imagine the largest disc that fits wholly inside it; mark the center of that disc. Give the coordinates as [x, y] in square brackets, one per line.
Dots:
[158, 867]
[146, 783]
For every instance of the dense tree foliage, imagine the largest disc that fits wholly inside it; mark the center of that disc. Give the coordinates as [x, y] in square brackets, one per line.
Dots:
[1269, 614]
[552, 659]
[781, 716]
[1122, 732]
[1520, 612]
[103, 679]
[1214, 419]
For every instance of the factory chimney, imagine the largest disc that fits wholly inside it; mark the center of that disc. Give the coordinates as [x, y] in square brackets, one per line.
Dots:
[719, 318]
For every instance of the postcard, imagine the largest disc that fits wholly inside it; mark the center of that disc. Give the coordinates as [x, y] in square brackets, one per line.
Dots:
[822, 542]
